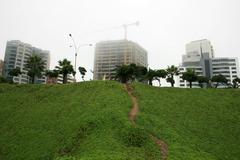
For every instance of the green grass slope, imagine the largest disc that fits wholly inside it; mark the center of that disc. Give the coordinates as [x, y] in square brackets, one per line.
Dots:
[197, 124]
[84, 121]
[89, 121]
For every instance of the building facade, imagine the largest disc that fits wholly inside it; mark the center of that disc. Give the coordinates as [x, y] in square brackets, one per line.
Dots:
[1, 67]
[228, 67]
[109, 54]
[16, 56]
[200, 57]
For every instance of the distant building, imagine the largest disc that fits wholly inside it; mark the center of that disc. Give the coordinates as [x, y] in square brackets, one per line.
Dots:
[200, 57]
[228, 67]
[1, 67]
[70, 79]
[109, 54]
[17, 54]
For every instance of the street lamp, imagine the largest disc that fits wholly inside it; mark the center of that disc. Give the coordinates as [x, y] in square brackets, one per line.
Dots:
[76, 48]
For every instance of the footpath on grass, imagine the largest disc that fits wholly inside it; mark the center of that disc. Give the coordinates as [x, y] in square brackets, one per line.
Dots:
[133, 115]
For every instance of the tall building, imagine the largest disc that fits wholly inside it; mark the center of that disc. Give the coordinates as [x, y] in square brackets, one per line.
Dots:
[109, 54]
[17, 54]
[1, 67]
[196, 51]
[200, 57]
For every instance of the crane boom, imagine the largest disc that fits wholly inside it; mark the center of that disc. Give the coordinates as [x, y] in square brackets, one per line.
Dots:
[125, 26]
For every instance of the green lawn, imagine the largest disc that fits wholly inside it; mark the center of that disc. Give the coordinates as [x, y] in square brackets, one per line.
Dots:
[84, 121]
[89, 121]
[197, 124]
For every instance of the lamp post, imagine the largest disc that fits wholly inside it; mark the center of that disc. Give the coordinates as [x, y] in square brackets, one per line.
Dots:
[76, 48]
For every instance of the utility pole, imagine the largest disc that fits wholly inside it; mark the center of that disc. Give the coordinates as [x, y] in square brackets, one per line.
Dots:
[76, 48]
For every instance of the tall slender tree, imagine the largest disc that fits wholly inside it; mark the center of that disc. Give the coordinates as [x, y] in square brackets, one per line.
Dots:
[172, 70]
[64, 67]
[35, 67]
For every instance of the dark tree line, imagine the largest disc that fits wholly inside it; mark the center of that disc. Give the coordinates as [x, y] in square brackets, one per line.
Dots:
[132, 72]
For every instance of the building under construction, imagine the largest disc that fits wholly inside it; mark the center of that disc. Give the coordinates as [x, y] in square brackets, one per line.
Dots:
[109, 54]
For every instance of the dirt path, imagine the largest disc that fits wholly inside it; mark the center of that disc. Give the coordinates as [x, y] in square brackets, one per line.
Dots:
[133, 115]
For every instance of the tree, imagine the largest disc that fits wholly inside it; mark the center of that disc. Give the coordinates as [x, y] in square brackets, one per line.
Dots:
[236, 82]
[124, 73]
[65, 68]
[155, 75]
[171, 71]
[190, 76]
[139, 72]
[219, 79]
[201, 80]
[15, 72]
[151, 74]
[161, 73]
[82, 71]
[35, 67]
[51, 76]
[3, 80]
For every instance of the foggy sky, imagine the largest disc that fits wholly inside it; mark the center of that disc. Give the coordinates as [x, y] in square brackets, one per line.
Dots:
[165, 26]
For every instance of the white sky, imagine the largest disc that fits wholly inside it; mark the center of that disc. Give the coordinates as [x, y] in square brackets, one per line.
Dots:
[165, 26]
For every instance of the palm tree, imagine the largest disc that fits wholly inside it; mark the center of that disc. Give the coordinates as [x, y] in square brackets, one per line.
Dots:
[171, 71]
[151, 74]
[155, 75]
[124, 73]
[35, 67]
[65, 68]
[82, 71]
[190, 76]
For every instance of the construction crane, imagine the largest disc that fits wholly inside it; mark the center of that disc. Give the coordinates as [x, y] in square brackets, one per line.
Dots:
[125, 26]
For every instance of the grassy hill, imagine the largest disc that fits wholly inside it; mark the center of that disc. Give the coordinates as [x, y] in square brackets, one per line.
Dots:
[197, 124]
[89, 121]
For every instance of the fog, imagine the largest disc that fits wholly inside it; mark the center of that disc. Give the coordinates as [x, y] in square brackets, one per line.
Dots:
[165, 26]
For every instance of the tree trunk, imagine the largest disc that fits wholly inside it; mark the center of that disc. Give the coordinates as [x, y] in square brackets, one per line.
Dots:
[172, 83]
[33, 79]
[159, 82]
[150, 82]
[190, 84]
[64, 78]
[216, 85]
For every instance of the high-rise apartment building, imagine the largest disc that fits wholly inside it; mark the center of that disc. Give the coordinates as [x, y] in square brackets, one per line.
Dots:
[109, 54]
[17, 54]
[200, 57]
[1, 67]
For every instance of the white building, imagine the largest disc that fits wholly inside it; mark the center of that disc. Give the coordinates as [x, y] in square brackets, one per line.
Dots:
[17, 54]
[70, 79]
[200, 57]
[196, 51]
[228, 67]
[109, 54]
